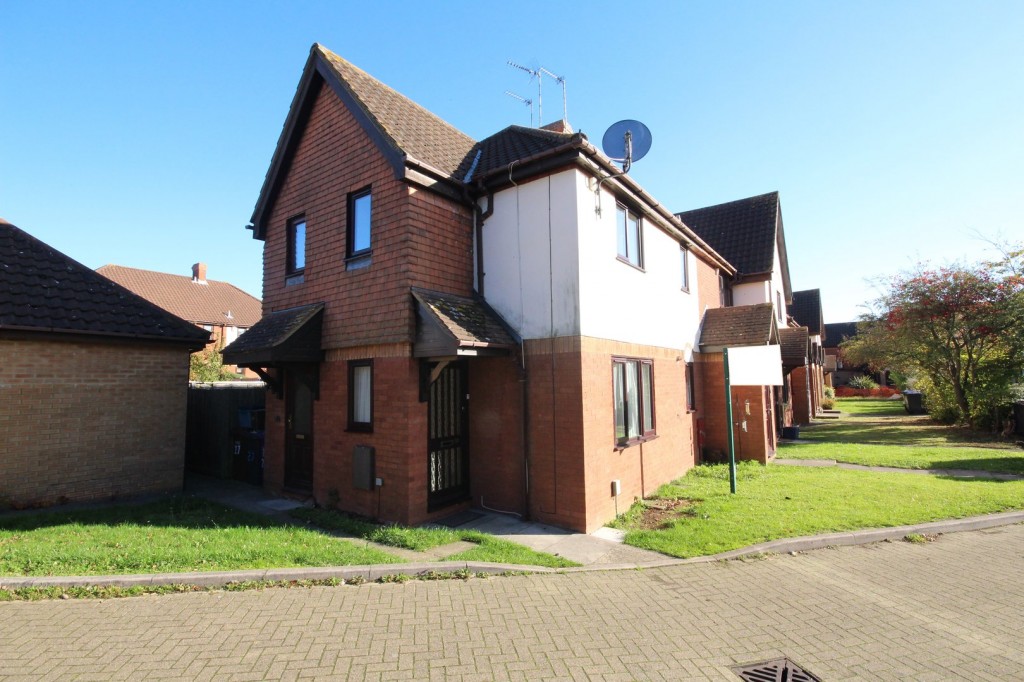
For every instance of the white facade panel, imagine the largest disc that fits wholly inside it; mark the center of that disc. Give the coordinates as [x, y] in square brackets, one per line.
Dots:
[551, 269]
[529, 242]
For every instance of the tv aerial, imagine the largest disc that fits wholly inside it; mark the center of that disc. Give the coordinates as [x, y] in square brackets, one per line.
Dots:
[539, 74]
[525, 101]
[626, 141]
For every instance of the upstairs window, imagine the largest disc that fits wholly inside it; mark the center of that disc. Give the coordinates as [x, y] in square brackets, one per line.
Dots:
[360, 223]
[633, 390]
[296, 246]
[778, 304]
[684, 264]
[628, 230]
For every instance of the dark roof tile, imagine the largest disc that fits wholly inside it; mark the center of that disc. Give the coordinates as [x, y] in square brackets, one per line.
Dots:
[413, 130]
[806, 310]
[837, 332]
[41, 289]
[742, 325]
[743, 231]
[793, 342]
[467, 319]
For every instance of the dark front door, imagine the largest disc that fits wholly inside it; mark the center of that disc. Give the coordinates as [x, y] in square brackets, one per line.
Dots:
[447, 460]
[298, 406]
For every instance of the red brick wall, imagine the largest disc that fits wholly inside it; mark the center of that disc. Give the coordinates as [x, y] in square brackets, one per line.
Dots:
[801, 397]
[496, 465]
[418, 238]
[573, 456]
[90, 420]
[758, 441]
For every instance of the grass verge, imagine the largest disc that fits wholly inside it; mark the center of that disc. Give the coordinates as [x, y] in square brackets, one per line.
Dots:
[178, 534]
[489, 548]
[911, 456]
[776, 502]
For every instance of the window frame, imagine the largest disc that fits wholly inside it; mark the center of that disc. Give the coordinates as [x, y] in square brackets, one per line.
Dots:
[684, 261]
[291, 264]
[353, 425]
[351, 253]
[622, 230]
[646, 396]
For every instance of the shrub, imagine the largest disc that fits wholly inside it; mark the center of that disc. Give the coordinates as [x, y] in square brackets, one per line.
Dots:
[830, 393]
[863, 382]
[877, 392]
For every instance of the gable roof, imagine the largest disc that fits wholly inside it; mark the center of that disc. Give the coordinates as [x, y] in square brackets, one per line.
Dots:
[291, 335]
[514, 143]
[742, 325]
[406, 133]
[793, 342]
[837, 332]
[465, 324]
[198, 302]
[806, 310]
[746, 232]
[42, 290]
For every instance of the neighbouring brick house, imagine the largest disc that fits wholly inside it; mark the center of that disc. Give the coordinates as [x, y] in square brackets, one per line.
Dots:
[221, 308]
[93, 382]
[806, 311]
[510, 323]
[749, 234]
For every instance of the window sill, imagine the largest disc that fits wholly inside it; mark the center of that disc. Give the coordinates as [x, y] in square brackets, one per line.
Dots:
[636, 441]
[295, 278]
[630, 263]
[359, 428]
[357, 262]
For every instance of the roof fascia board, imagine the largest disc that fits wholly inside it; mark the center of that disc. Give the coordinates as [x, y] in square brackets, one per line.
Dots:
[580, 152]
[55, 333]
[294, 124]
[432, 180]
[780, 244]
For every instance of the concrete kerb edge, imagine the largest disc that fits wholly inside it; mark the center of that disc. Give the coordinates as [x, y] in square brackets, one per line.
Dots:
[376, 571]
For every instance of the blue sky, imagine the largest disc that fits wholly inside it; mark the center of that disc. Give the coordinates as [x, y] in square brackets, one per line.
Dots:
[139, 133]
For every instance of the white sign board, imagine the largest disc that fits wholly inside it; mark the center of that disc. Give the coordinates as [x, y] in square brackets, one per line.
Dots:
[755, 366]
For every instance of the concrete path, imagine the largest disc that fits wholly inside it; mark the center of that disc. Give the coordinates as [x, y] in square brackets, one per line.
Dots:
[603, 548]
[952, 609]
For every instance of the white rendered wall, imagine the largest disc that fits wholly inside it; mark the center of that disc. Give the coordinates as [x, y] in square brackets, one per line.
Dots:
[530, 257]
[767, 291]
[551, 269]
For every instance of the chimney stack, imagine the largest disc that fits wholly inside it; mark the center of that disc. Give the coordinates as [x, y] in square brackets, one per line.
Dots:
[199, 273]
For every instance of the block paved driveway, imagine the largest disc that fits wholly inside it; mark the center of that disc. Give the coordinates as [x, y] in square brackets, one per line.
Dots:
[950, 609]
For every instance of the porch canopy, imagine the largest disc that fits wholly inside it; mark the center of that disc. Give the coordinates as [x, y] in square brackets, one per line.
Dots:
[796, 345]
[742, 325]
[283, 336]
[448, 325]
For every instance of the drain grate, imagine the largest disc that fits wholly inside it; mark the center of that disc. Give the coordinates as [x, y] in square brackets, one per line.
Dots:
[777, 670]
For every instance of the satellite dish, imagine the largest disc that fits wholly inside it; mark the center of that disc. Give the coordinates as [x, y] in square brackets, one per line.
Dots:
[626, 141]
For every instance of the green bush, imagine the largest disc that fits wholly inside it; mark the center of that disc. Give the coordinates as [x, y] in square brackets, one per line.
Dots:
[863, 382]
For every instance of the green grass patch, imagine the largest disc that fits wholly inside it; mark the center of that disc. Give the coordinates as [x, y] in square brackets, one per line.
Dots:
[911, 456]
[489, 548]
[872, 407]
[173, 535]
[776, 502]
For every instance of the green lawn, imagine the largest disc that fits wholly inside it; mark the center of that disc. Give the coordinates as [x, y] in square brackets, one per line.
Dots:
[778, 501]
[489, 548]
[911, 456]
[773, 502]
[173, 535]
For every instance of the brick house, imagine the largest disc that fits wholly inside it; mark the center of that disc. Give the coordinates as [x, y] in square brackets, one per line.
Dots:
[93, 382]
[806, 311]
[444, 319]
[749, 234]
[220, 308]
